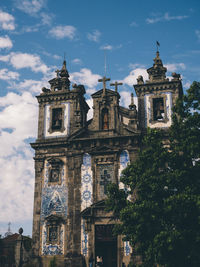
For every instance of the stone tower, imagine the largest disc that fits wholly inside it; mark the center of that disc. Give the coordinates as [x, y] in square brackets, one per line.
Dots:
[75, 159]
[157, 96]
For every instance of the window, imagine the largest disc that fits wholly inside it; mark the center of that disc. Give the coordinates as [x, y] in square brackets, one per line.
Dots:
[57, 119]
[57, 114]
[54, 170]
[54, 224]
[53, 233]
[54, 175]
[158, 109]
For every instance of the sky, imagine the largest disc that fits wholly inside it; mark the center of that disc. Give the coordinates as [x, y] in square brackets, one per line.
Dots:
[34, 37]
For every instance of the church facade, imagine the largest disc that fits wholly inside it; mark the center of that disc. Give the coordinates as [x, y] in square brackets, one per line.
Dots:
[75, 159]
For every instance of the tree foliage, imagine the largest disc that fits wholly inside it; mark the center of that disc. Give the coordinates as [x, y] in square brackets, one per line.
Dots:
[162, 221]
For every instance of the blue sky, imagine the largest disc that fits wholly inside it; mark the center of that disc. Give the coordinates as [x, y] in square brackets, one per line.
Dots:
[35, 34]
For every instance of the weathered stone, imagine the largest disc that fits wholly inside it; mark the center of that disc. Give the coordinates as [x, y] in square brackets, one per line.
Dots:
[93, 153]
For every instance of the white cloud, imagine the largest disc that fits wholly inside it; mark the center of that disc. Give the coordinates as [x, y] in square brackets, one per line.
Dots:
[24, 60]
[5, 74]
[125, 99]
[77, 61]
[94, 36]
[187, 84]
[51, 55]
[5, 58]
[110, 47]
[46, 18]
[34, 28]
[165, 17]
[30, 7]
[18, 122]
[133, 24]
[133, 75]
[5, 42]
[136, 65]
[198, 34]
[106, 47]
[85, 77]
[6, 21]
[33, 86]
[175, 66]
[60, 32]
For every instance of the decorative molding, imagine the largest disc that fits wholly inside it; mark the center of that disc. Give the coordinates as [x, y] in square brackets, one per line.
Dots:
[148, 106]
[84, 239]
[48, 132]
[54, 207]
[51, 108]
[86, 182]
[52, 248]
[55, 169]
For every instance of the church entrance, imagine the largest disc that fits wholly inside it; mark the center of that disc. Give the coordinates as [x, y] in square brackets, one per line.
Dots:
[106, 245]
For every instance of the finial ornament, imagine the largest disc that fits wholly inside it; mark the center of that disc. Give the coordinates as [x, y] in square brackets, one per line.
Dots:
[57, 73]
[116, 85]
[157, 72]
[132, 105]
[61, 82]
[157, 45]
[21, 230]
[9, 224]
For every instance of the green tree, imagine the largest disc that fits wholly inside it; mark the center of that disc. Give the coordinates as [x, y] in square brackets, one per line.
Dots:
[162, 221]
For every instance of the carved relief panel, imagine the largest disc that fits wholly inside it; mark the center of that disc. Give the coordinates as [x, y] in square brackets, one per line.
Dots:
[104, 175]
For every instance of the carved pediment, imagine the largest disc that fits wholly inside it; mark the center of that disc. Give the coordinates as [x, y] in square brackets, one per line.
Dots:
[54, 218]
[104, 148]
[108, 93]
[55, 161]
[90, 210]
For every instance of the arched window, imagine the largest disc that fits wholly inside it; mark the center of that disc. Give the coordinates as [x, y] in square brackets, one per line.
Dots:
[105, 119]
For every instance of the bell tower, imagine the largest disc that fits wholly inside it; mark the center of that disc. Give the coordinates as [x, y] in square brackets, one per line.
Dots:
[157, 96]
[62, 113]
[106, 109]
[61, 110]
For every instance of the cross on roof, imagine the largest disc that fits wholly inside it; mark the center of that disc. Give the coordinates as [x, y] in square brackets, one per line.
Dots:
[104, 80]
[9, 224]
[116, 85]
[105, 180]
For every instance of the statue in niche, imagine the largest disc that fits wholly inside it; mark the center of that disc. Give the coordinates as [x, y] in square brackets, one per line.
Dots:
[158, 109]
[54, 175]
[54, 170]
[57, 119]
[53, 233]
[105, 119]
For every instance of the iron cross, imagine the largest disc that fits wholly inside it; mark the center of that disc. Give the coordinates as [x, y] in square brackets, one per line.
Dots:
[104, 80]
[105, 180]
[116, 85]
